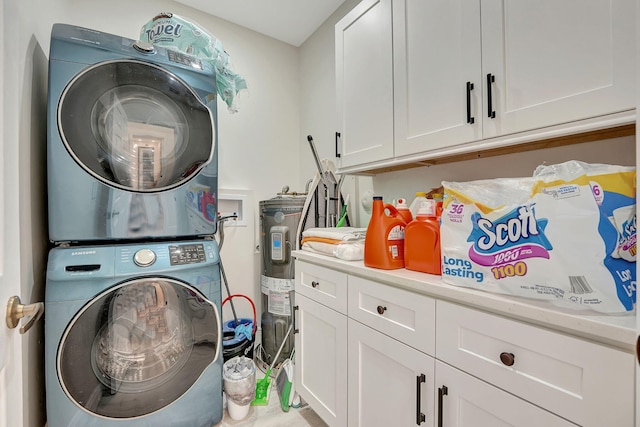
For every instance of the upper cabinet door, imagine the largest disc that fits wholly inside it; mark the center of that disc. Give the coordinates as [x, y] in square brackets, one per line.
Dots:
[437, 74]
[556, 61]
[364, 83]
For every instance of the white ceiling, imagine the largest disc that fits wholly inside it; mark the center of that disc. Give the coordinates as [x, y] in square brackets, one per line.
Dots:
[291, 21]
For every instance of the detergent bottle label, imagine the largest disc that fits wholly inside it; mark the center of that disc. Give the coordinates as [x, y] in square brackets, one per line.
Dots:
[395, 242]
[396, 233]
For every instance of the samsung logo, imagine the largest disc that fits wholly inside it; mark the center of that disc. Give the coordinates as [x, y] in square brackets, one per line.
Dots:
[76, 253]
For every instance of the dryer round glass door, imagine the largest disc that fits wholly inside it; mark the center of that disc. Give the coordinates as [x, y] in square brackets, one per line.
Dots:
[135, 126]
[138, 347]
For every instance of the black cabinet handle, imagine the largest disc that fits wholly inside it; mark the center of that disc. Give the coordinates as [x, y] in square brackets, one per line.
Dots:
[442, 392]
[337, 144]
[470, 119]
[420, 417]
[315, 284]
[381, 309]
[295, 309]
[490, 112]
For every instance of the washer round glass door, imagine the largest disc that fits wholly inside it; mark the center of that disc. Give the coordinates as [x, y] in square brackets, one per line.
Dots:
[138, 347]
[135, 126]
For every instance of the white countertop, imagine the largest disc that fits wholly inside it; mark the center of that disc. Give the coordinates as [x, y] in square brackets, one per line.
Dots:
[615, 330]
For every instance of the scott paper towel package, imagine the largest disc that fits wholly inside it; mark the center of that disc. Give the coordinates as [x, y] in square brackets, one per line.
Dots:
[567, 234]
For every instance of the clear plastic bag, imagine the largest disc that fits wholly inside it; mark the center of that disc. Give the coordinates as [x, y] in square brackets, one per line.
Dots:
[175, 32]
[565, 235]
[349, 251]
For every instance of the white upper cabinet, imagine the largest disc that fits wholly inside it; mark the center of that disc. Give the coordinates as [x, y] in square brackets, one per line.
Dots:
[437, 68]
[556, 61]
[364, 83]
[468, 71]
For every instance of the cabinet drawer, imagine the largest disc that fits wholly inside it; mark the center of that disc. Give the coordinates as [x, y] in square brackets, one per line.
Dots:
[406, 316]
[587, 383]
[465, 401]
[328, 287]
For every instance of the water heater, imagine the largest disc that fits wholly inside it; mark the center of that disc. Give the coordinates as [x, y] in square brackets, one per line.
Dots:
[279, 219]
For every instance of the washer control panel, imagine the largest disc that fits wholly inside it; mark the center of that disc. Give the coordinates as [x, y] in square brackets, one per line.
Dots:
[144, 257]
[187, 254]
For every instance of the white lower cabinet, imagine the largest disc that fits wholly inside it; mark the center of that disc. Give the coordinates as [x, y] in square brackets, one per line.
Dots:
[568, 376]
[465, 401]
[321, 360]
[390, 383]
[371, 354]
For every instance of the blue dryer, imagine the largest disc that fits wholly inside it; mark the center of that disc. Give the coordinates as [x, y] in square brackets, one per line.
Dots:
[133, 335]
[131, 140]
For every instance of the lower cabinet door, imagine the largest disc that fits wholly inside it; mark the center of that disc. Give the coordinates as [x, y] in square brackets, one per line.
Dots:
[465, 401]
[321, 360]
[390, 383]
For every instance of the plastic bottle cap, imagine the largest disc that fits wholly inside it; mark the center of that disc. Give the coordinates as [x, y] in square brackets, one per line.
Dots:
[402, 203]
[427, 207]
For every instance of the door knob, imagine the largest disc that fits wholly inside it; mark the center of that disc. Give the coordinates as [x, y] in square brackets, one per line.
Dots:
[16, 311]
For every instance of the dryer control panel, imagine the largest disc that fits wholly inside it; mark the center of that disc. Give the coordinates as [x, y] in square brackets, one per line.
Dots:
[187, 254]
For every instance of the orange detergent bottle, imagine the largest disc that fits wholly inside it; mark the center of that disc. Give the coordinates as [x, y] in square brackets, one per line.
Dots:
[438, 199]
[384, 242]
[422, 241]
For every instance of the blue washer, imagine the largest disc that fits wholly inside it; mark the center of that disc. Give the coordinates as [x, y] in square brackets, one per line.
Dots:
[133, 335]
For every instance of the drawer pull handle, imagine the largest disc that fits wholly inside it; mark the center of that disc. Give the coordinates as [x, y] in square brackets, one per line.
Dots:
[381, 309]
[315, 284]
[507, 358]
[420, 417]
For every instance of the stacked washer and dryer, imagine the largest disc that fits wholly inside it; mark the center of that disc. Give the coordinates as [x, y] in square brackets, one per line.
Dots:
[132, 319]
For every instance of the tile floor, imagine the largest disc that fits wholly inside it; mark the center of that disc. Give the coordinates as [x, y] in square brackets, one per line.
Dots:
[272, 415]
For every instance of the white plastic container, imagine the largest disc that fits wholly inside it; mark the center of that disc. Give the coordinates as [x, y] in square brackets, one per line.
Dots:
[421, 196]
[237, 412]
[239, 380]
